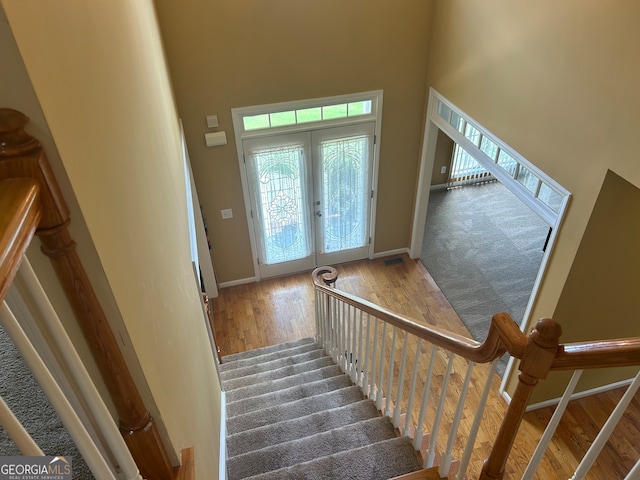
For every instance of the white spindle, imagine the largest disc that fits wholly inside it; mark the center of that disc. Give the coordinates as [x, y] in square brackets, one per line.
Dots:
[387, 409]
[473, 432]
[16, 431]
[82, 439]
[374, 346]
[634, 473]
[412, 390]
[607, 429]
[90, 394]
[403, 364]
[417, 439]
[431, 456]
[360, 366]
[339, 335]
[346, 339]
[379, 391]
[551, 427]
[365, 363]
[445, 463]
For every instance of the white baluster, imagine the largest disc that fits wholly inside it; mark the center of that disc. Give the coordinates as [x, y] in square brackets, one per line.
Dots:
[82, 439]
[365, 363]
[430, 458]
[403, 364]
[379, 391]
[417, 439]
[551, 427]
[607, 429]
[16, 431]
[406, 431]
[445, 464]
[359, 365]
[90, 394]
[374, 345]
[387, 409]
[634, 473]
[473, 432]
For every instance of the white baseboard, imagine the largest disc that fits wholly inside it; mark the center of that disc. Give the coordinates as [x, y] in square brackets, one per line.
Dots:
[222, 472]
[440, 186]
[388, 253]
[585, 393]
[240, 281]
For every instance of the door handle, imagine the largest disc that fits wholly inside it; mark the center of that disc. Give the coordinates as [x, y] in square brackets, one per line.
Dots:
[319, 213]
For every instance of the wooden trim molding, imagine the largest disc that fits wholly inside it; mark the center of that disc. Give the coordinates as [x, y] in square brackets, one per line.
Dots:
[21, 156]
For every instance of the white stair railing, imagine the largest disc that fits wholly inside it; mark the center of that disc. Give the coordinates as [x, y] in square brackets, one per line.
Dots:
[410, 379]
[431, 398]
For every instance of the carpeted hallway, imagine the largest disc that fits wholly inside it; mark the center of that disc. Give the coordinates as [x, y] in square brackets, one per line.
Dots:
[483, 247]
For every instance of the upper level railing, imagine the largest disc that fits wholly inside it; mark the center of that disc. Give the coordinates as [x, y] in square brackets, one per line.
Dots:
[32, 204]
[415, 373]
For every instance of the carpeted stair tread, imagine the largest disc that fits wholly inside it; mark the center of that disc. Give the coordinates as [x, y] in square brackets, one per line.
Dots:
[323, 444]
[264, 350]
[300, 427]
[306, 406]
[272, 375]
[379, 461]
[287, 395]
[271, 365]
[269, 386]
[268, 357]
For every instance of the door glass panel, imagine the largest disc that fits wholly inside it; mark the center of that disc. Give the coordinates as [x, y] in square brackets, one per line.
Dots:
[345, 192]
[280, 197]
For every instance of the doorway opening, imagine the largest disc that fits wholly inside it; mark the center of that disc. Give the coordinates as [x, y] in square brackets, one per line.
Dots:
[486, 160]
[309, 175]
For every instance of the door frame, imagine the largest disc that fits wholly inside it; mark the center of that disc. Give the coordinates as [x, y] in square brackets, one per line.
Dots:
[434, 123]
[240, 134]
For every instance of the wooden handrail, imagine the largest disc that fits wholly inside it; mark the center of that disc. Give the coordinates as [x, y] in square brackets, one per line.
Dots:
[21, 157]
[504, 335]
[620, 352]
[19, 216]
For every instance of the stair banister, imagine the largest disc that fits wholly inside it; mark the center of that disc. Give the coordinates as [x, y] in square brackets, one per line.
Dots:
[541, 349]
[21, 156]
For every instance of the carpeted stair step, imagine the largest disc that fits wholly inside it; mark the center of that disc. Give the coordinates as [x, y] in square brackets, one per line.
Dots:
[268, 386]
[268, 357]
[264, 350]
[306, 449]
[261, 367]
[379, 461]
[307, 406]
[300, 427]
[272, 375]
[287, 395]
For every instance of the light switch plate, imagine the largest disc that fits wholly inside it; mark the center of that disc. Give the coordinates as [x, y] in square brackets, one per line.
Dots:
[226, 213]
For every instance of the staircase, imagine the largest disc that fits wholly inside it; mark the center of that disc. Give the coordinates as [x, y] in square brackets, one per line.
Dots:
[293, 414]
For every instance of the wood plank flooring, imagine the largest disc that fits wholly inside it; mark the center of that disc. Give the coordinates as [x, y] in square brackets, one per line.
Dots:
[281, 309]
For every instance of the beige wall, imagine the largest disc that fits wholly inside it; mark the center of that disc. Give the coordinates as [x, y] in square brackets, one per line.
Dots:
[225, 54]
[558, 82]
[98, 71]
[599, 290]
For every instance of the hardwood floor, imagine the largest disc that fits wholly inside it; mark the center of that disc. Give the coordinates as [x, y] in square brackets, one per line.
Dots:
[281, 309]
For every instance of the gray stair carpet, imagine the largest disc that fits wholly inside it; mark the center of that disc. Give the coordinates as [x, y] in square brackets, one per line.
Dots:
[293, 414]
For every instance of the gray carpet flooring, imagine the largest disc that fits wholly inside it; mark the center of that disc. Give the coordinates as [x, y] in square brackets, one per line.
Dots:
[292, 414]
[30, 405]
[483, 247]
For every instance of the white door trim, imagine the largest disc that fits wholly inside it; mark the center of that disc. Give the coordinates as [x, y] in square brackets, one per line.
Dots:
[433, 124]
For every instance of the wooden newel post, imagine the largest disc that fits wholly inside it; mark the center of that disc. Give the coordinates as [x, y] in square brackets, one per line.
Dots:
[21, 156]
[541, 349]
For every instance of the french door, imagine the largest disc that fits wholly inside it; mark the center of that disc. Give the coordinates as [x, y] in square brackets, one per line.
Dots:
[310, 196]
